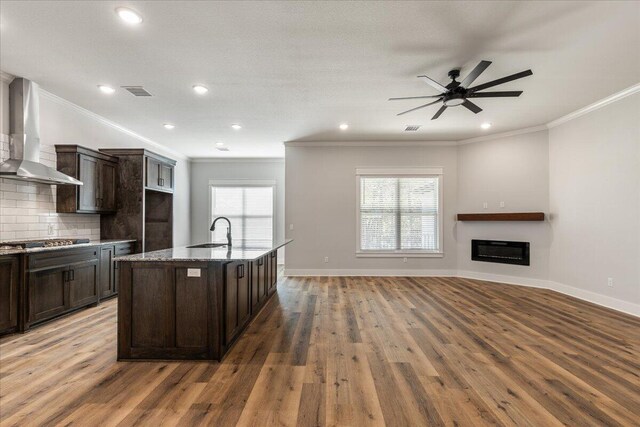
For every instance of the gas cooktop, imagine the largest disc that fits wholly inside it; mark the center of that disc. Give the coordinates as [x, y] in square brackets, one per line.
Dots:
[47, 243]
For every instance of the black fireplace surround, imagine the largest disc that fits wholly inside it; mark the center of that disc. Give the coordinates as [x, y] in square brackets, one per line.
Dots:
[500, 251]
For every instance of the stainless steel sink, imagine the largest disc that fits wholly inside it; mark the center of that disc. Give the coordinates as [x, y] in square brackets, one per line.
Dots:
[208, 245]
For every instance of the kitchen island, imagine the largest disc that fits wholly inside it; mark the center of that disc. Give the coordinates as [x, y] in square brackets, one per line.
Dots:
[192, 302]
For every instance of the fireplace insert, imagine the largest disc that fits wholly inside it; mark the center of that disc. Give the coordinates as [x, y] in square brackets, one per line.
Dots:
[500, 251]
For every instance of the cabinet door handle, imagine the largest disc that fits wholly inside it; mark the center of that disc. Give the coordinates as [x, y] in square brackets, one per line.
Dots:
[72, 273]
[240, 271]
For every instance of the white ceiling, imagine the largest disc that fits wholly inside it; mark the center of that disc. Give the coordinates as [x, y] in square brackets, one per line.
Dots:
[296, 70]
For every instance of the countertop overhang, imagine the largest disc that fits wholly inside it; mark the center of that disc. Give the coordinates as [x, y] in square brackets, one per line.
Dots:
[245, 252]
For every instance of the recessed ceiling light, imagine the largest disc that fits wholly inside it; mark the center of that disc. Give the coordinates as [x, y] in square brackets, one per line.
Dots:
[219, 144]
[200, 90]
[129, 16]
[486, 125]
[169, 126]
[344, 126]
[106, 89]
[236, 126]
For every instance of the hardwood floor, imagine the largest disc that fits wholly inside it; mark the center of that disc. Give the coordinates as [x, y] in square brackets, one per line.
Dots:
[348, 351]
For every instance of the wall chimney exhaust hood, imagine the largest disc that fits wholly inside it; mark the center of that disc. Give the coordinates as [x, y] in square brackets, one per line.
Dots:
[24, 145]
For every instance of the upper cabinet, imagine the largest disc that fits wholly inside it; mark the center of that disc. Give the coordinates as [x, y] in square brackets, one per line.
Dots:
[98, 173]
[159, 174]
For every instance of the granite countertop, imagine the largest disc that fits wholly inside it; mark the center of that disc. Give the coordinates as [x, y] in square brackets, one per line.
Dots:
[245, 252]
[18, 251]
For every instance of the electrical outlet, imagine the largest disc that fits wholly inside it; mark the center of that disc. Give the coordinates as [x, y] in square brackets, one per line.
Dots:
[502, 204]
[404, 259]
[291, 227]
[610, 281]
[326, 259]
[50, 230]
[485, 205]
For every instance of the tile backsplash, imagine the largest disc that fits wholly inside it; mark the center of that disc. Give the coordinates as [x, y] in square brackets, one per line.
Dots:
[28, 210]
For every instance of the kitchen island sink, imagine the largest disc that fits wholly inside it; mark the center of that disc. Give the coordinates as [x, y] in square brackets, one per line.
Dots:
[192, 302]
[208, 245]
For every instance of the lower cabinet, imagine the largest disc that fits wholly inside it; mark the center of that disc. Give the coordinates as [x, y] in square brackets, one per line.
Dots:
[9, 285]
[163, 311]
[273, 272]
[258, 283]
[237, 298]
[108, 276]
[60, 281]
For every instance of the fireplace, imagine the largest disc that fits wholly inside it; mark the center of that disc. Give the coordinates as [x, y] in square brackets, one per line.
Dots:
[500, 251]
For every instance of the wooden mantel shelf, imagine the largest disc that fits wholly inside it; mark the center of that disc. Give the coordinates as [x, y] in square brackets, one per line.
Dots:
[505, 216]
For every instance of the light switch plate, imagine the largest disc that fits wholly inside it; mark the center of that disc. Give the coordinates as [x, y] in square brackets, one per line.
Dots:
[193, 272]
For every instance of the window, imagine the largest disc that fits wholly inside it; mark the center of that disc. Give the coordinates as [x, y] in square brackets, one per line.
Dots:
[248, 205]
[399, 212]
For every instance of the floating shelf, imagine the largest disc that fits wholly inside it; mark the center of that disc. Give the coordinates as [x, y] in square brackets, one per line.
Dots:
[507, 216]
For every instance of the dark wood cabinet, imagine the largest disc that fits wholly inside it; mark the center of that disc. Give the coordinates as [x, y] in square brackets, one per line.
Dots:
[83, 283]
[108, 277]
[88, 192]
[48, 293]
[237, 299]
[9, 286]
[159, 175]
[107, 272]
[183, 309]
[273, 272]
[60, 281]
[98, 173]
[144, 200]
[163, 311]
[258, 284]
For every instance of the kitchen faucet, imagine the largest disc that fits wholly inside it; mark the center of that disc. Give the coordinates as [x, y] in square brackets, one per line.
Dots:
[213, 227]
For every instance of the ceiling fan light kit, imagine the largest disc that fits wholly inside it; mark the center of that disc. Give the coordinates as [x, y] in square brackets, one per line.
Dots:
[457, 93]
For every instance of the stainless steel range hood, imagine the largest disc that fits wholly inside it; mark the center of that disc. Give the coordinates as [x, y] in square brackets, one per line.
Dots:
[24, 145]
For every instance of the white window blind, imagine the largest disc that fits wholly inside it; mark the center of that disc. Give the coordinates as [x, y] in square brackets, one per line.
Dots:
[399, 214]
[250, 210]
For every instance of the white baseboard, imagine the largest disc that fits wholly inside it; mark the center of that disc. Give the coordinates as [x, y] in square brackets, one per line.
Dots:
[368, 272]
[603, 300]
[511, 280]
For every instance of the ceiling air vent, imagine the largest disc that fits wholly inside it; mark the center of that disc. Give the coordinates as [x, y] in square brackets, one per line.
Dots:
[411, 128]
[222, 149]
[137, 90]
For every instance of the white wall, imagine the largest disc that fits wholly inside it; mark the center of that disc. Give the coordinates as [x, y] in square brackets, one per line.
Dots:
[595, 202]
[513, 170]
[62, 122]
[321, 205]
[232, 169]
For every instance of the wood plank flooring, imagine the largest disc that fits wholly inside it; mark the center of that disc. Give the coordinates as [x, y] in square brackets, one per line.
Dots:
[348, 352]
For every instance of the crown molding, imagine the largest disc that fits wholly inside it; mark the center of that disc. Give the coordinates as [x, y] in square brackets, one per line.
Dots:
[502, 135]
[6, 77]
[107, 122]
[237, 160]
[596, 105]
[397, 143]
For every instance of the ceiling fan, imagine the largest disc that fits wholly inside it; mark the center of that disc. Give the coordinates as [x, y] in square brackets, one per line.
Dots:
[457, 93]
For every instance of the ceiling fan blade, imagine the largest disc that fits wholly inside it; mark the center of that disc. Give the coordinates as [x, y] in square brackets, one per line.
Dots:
[422, 106]
[471, 106]
[415, 97]
[434, 84]
[440, 111]
[501, 81]
[475, 73]
[494, 94]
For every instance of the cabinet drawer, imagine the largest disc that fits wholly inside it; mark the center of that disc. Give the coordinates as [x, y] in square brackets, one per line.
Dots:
[124, 248]
[62, 257]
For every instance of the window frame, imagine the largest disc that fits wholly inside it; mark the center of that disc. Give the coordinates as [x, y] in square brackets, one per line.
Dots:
[243, 183]
[435, 172]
